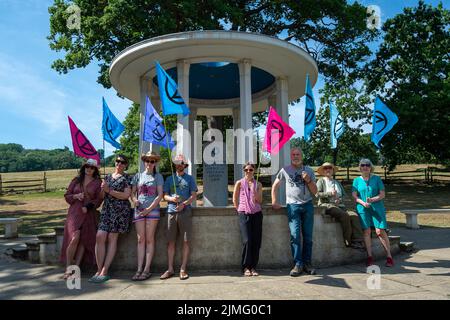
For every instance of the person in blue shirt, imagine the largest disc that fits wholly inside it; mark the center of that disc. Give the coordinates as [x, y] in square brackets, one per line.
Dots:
[368, 192]
[180, 190]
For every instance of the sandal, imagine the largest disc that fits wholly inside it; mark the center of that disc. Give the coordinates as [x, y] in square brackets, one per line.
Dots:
[67, 275]
[166, 275]
[144, 275]
[183, 275]
[136, 276]
[247, 273]
[254, 273]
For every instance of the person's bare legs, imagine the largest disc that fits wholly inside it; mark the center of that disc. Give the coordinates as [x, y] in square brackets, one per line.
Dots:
[100, 250]
[140, 231]
[72, 248]
[80, 253]
[170, 255]
[185, 255]
[384, 239]
[368, 241]
[150, 230]
[110, 253]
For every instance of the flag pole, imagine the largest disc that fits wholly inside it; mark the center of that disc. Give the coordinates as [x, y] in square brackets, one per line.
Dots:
[104, 162]
[260, 157]
[170, 153]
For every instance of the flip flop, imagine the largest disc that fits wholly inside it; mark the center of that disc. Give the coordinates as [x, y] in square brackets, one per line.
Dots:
[144, 276]
[254, 273]
[101, 279]
[183, 275]
[93, 279]
[247, 273]
[136, 276]
[167, 275]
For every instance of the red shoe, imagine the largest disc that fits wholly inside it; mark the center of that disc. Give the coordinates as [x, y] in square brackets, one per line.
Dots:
[389, 262]
[369, 261]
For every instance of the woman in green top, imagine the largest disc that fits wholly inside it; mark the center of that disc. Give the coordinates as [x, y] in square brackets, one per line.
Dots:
[331, 195]
[368, 192]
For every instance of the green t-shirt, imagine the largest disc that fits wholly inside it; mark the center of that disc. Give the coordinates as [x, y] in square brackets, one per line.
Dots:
[369, 189]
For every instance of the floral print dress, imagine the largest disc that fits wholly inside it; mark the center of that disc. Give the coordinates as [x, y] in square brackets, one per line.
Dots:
[116, 214]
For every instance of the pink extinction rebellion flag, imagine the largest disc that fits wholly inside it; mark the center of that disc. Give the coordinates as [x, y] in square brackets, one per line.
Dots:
[81, 145]
[278, 133]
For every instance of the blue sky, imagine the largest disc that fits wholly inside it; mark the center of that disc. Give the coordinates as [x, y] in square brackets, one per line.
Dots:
[35, 100]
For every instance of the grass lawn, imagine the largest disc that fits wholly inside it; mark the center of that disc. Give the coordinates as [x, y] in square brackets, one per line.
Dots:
[44, 211]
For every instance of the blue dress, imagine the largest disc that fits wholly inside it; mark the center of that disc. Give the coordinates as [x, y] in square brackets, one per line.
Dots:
[375, 215]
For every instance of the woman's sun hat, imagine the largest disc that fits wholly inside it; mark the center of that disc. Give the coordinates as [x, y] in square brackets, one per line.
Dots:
[151, 155]
[321, 169]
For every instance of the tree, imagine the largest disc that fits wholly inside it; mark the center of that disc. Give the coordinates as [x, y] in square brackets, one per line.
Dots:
[411, 73]
[333, 32]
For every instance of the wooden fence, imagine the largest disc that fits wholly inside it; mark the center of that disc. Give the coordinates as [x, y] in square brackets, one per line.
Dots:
[23, 185]
[427, 175]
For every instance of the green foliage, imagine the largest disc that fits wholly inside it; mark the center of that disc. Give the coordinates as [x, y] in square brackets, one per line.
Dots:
[411, 72]
[14, 158]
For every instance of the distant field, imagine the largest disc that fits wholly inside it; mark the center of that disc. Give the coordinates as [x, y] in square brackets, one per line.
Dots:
[59, 179]
[56, 179]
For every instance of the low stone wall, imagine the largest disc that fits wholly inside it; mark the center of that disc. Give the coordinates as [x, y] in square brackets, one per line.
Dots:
[216, 243]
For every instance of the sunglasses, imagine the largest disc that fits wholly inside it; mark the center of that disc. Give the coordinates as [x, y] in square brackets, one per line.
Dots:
[150, 161]
[121, 162]
[365, 165]
[90, 167]
[249, 170]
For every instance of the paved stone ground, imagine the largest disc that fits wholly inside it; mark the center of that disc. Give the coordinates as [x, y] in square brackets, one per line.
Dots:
[423, 274]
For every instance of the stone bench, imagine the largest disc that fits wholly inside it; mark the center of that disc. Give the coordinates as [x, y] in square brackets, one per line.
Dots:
[11, 225]
[411, 215]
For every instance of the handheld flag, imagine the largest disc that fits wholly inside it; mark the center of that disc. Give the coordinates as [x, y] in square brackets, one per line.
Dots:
[171, 100]
[310, 111]
[154, 131]
[81, 145]
[278, 133]
[111, 127]
[337, 125]
[382, 122]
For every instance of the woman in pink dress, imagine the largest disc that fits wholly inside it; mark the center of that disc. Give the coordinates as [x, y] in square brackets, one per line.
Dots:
[84, 196]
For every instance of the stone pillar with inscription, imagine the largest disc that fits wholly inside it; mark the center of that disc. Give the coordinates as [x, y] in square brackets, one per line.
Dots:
[215, 169]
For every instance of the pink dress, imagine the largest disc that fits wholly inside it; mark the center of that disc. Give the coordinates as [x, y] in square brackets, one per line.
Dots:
[85, 222]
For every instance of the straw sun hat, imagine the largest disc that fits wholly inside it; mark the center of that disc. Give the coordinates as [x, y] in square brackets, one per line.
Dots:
[150, 156]
[321, 170]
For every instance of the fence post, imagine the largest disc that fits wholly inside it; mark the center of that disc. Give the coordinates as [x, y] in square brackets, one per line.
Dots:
[45, 182]
[426, 174]
[348, 173]
[1, 184]
[431, 175]
[385, 174]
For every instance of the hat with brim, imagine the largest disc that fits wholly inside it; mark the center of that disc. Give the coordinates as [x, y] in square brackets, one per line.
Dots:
[91, 162]
[150, 156]
[321, 169]
[180, 159]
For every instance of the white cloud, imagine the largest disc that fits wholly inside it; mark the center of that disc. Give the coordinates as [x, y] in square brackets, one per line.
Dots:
[25, 93]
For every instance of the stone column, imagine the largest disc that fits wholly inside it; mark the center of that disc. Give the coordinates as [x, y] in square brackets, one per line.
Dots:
[238, 173]
[145, 146]
[282, 109]
[245, 111]
[183, 123]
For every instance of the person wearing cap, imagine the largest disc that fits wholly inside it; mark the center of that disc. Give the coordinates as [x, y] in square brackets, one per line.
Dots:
[180, 190]
[368, 192]
[84, 196]
[146, 194]
[300, 189]
[331, 195]
[247, 199]
[115, 218]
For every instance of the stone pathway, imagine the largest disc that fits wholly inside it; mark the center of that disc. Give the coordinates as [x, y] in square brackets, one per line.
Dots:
[423, 274]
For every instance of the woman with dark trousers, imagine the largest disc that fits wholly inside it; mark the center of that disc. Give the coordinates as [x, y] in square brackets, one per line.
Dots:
[247, 198]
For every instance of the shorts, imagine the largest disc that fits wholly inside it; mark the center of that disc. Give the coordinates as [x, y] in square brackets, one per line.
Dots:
[153, 215]
[179, 221]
